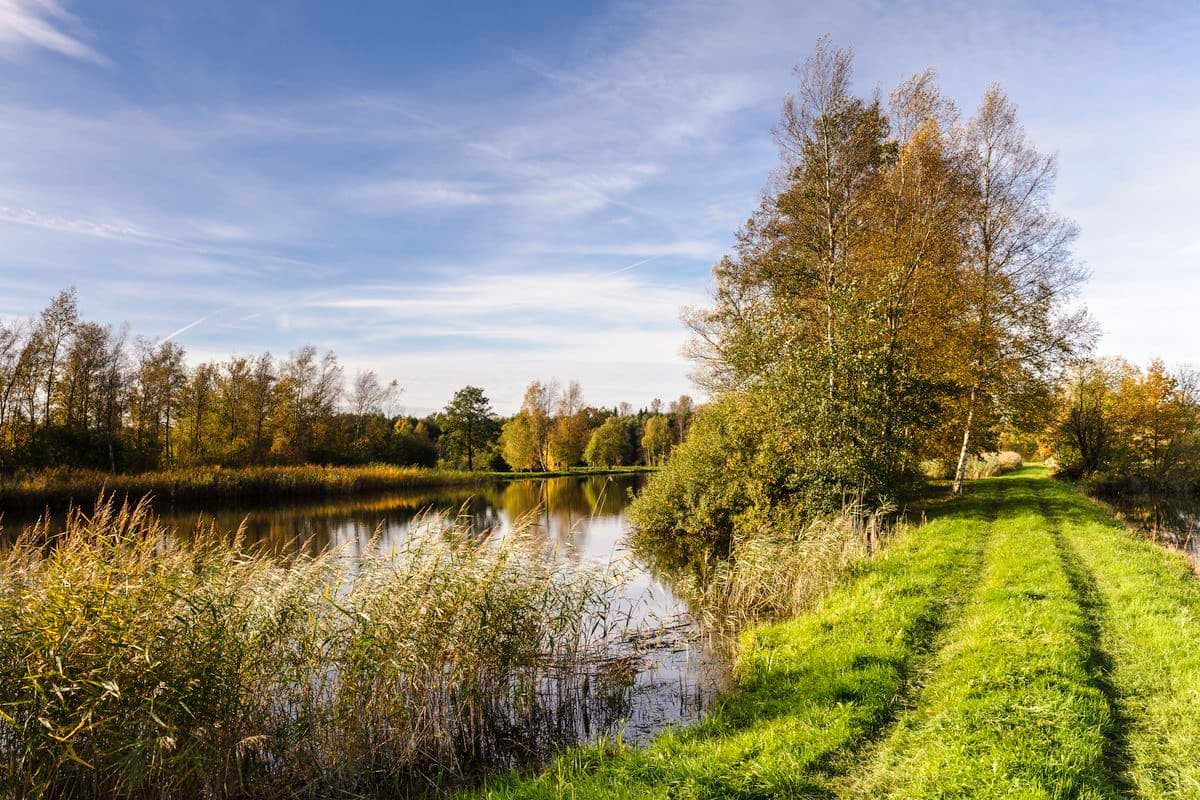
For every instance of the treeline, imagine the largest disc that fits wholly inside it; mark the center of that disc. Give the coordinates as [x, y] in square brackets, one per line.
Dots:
[76, 393]
[903, 293]
[1127, 429]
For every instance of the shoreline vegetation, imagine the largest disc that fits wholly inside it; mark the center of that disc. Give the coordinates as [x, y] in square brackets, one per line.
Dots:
[1018, 642]
[137, 665]
[1021, 643]
[189, 485]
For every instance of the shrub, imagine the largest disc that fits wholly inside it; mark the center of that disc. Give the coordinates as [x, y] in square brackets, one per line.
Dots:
[989, 465]
[705, 485]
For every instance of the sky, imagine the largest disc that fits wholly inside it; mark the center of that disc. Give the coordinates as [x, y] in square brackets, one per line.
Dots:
[487, 193]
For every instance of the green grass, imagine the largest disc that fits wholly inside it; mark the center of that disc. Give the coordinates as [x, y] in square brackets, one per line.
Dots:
[811, 691]
[1151, 639]
[1043, 653]
[1011, 708]
[206, 484]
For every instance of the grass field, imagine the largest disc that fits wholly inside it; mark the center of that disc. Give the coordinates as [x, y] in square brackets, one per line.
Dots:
[1020, 645]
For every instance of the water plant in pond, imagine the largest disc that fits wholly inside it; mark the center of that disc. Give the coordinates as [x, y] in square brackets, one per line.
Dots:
[136, 664]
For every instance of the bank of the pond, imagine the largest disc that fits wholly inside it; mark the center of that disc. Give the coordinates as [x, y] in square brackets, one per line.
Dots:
[1020, 644]
[134, 664]
[58, 488]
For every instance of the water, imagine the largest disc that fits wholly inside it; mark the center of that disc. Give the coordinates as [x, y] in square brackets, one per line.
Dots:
[577, 520]
[1174, 520]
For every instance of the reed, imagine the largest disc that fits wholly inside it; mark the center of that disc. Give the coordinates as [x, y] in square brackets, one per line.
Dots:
[190, 485]
[135, 664]
[198, 484]
[773, 571]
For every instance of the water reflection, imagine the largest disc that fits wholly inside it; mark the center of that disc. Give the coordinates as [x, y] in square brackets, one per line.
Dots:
[1174, 520]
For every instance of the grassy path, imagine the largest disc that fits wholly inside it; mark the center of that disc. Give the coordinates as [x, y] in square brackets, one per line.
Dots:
[1021, 645]
[1013, 707]
[1150, 603]
[811, 691]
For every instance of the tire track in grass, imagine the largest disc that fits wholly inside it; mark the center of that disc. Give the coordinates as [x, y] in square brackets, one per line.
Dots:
[1010, 709]
[981, 509]
[1150, 625]
[811, 691]
[1117, 756]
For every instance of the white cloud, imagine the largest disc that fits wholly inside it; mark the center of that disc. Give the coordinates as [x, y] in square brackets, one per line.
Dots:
[107, 230]
[391, 196]
[26, 24]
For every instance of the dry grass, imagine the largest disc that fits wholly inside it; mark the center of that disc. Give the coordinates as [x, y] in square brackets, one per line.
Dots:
[134, 665]
[196, 484]
[779, 570]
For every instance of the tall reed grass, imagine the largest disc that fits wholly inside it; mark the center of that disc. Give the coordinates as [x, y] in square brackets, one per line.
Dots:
[138, 665]
[197, 484]
[779, 569]
[983, 465]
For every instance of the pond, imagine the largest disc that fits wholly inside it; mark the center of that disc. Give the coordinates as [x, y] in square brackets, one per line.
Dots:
[1173, 519]
[575, 520]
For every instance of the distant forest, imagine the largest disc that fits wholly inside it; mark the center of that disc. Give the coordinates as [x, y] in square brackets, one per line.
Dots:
[76, 393]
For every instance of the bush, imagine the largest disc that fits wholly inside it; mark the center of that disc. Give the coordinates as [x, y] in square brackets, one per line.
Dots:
[989, 465]
[706, 485]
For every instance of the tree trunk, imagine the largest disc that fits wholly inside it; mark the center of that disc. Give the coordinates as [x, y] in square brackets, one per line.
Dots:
[961, 471]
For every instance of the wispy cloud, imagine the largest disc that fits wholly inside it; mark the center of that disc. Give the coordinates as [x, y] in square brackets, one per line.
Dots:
[532, 209]
[391, 196]
[31, 24]
[57, 224]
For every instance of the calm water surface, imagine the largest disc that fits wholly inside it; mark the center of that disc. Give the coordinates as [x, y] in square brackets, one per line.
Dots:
[577, 520]
[1175, 520]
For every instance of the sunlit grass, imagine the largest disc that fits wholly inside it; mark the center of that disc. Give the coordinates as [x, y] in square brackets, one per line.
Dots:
[134, 665]
[1010, 708]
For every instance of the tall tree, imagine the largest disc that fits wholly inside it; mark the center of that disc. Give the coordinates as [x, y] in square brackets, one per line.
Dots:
[569, 431]
[368, 396]
[608, 446]
[1020, 272]
[468, 425]
[656, 439]
[55, 328]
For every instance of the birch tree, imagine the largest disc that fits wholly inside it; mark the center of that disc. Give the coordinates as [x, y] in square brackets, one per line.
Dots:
[1020, 274]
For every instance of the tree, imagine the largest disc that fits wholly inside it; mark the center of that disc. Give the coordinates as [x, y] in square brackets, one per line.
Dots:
[608, 445]
[1085, 425]
[307, 393]
[468, 425]
[197, 402]
[368, 397]
[1156, 414]
[656, 439]
[519, 444]
[1019, 270]
[57, 325]
[681, 411]
[569, 431]
[525, 439]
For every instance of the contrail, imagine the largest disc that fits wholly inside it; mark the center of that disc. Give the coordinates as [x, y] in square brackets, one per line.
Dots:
[631, 266]
[191, 325]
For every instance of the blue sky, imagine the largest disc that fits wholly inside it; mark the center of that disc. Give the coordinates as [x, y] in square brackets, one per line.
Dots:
[456, 193]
